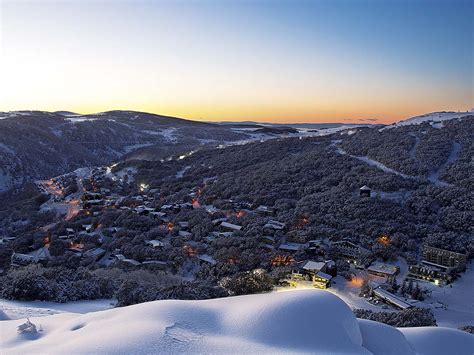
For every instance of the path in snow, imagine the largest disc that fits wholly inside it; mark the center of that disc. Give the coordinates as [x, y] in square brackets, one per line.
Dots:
[372, 162]
[434, 175]
[181, 173]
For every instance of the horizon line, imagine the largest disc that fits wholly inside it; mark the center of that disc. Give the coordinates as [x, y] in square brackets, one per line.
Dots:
[354, 120]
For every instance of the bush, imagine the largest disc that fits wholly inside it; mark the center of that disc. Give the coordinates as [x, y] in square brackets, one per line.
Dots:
[413, 317]
[58, 284]
[255, 281]
[467, 328]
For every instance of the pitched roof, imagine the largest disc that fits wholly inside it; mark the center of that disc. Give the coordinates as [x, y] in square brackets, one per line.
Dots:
[313, 265]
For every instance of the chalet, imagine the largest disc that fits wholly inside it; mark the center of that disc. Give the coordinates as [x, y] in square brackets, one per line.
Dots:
[38, 256]
[444, 258]
[317, 247]
[158, 215]
[383, 270]
[313, 267]
[274, 225]
[312, 272]
[183, 225]
[95, 253]
[431, 273]
[211, 209]
[231, 226]
[185, 234]
[186, 205]
[365, 191]
[207, 259]
[392, 299]
[292, 247]
[268, 239]
[241, 205]
[265, 210]
[155, 243]
[144, 211]
[224, 234]
[218, 221]
[76, 248]
[350, 250]
[322, 280]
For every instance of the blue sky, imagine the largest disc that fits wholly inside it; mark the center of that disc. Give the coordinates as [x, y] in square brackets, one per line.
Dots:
[307, 61]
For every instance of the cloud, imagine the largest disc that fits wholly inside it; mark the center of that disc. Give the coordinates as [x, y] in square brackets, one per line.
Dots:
[368, 119]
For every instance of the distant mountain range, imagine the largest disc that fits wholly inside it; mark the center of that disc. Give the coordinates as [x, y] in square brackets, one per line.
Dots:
[38, 144]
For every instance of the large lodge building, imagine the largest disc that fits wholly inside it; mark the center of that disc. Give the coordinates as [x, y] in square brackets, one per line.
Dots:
[446, 258]
[438, 265]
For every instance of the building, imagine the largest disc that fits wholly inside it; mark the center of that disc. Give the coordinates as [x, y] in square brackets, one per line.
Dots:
[383, 270]
[365, 191]
[155, 243]
[317, 247]
[274, 225]
[185, 234]
[95, 253]
[431, 273]
[292, 247]
[207, 259]
[231, 226]
[313, 267]
[183, 224]
[392, 299]
[38, 256]
[314, 273]
[265, 210]
[444, 258]
[322, 280]
[351, 250]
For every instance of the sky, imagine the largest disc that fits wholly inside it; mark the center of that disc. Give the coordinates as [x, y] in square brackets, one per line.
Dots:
[215, 60]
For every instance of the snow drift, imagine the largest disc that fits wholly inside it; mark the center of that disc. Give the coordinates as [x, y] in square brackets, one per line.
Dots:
[299, 321]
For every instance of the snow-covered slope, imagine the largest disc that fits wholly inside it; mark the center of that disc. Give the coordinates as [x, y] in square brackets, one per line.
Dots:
[299, 321]
[432, 117]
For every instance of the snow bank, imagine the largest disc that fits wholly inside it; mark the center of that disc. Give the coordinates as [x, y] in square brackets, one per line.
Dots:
[313, 321]
[3, 315]
[383, 339]
[438, 340]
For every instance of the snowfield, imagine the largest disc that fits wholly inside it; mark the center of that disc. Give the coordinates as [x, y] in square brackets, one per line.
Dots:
[300, 321]
[435, 119]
